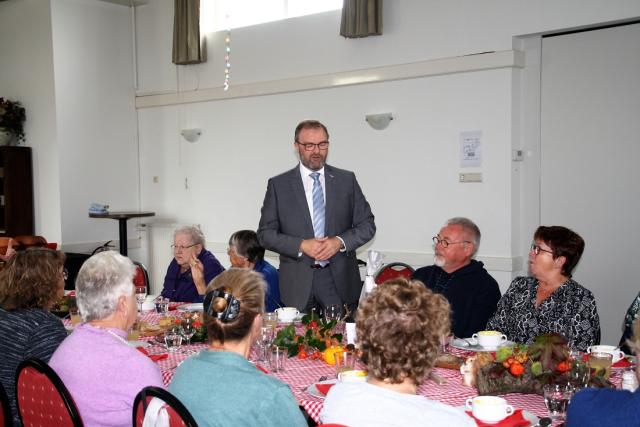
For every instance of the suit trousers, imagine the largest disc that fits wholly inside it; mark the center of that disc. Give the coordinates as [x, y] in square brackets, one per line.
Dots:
[323, 291]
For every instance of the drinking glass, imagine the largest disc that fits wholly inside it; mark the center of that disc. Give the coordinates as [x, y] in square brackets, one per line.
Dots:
[74, 316]
[173, 339]
[600, 364]
[162, 305]
[277, 358]
[270, 319]
[264, 342]
[141, 295]
[556, 399]
[578, 374]
[345, 361]
[188, 331]
[332, 312]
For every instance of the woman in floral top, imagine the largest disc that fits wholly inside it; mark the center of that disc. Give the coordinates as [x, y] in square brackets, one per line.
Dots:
[549, 300]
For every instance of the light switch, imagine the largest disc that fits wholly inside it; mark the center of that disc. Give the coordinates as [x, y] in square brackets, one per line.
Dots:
[471, 177]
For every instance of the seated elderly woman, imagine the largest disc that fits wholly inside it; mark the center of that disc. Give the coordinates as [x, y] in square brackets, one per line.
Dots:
[31, 283]
[607, 407]
[192, 267]
[549, 300]
[101, 370]
[245, 252]
[219, 386]
[399, 329]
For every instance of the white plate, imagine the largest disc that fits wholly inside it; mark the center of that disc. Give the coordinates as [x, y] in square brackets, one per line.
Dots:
[313, 391]
[533, 420]
[196, 306]
[142, 344]
[473, 345]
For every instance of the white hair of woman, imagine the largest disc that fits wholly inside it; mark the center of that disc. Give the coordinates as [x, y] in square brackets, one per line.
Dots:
[101, 281]
[193, 231]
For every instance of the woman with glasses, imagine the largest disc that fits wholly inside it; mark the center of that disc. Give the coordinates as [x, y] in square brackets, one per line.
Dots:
[219, 386]
[549, 300]
[245, 252]
[30, 284]
[192, 266]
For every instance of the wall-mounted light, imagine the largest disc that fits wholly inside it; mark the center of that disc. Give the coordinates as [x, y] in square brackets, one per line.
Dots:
[191, 135]
[379, 121]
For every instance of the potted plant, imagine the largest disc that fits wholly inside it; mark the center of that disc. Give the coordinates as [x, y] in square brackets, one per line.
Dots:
[12, 117]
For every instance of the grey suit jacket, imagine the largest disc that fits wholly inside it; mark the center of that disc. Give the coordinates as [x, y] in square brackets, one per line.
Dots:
[286, 221]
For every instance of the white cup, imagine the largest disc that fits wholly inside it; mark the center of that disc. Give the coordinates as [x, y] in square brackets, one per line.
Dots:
[287, 314]
[353, 376]
[490, 339]
[489, 409]
[614, 351]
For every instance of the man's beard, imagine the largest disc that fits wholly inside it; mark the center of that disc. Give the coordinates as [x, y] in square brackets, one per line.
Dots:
[439, 260]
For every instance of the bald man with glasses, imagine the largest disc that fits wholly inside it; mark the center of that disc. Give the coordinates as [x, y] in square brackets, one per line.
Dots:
[472, 293]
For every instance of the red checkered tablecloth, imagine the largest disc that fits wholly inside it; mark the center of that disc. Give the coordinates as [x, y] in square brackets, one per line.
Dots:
[300, 374]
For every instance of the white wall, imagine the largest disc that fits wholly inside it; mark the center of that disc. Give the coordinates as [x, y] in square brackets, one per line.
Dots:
[26, 75]
[93, 60]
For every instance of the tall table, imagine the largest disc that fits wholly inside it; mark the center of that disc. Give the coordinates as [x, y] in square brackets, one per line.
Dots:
[122, 218]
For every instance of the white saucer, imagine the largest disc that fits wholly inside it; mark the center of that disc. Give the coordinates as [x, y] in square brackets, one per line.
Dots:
[533, 420]
[313, 391]
[196, 306]
[471, 344]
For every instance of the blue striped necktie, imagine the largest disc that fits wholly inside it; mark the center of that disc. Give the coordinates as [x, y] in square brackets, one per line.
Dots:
[318, 209]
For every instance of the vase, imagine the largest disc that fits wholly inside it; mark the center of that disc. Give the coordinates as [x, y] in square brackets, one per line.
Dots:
[6, 136]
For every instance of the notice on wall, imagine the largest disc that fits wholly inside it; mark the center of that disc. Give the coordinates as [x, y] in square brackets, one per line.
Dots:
[471, 149]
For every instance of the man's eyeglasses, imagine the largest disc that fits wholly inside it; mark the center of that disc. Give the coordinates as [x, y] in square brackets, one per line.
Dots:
[309, 146]
[445, 243]
[536, 249]
[177, 248]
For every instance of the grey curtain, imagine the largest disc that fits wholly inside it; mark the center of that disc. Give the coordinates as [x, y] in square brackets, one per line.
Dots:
[361, 18]
[186, 33]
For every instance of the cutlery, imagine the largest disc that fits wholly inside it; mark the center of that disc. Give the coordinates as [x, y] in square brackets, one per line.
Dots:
[543, 422]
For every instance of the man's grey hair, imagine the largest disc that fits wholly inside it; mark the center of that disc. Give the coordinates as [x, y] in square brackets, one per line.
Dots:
[470, 228]
[194, 233]
[102, 279]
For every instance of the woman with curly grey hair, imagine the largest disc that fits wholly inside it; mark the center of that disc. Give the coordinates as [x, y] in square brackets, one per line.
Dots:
[399, 328]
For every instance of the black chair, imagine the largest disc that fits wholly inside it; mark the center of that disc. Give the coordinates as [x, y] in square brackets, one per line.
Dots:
[42, 398]
[5, 409]
[179, 415]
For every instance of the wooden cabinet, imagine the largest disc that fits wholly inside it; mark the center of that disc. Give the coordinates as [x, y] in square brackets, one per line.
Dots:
[16, 191]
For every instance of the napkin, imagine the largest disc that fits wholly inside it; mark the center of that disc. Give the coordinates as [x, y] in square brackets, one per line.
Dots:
[514, 420]
[154, 357]
[324, 388]
[98, 208]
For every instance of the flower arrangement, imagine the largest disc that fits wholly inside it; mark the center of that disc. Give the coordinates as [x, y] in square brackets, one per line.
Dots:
[317, 342]
[527, 368]
[12, 117]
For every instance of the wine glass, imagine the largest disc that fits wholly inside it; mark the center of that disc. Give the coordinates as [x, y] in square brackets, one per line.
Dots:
[141, 296]
[188, 330]
[264, 342]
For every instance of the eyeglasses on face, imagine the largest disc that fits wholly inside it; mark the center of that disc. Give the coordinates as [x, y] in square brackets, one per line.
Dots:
[309, 146]
[445, 243]
[536, 249]
[177, 248]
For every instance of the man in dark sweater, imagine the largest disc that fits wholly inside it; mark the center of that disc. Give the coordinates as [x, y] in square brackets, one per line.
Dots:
[471, 291]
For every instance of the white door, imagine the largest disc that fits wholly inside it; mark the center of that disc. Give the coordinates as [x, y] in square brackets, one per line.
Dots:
[590, 154]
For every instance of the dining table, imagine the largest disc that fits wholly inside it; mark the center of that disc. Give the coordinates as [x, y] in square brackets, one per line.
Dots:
[299, 374]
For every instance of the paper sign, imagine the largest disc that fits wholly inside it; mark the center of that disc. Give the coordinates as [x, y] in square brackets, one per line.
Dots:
[471, 149]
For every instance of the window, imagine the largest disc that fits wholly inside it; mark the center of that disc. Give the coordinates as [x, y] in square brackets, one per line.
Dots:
[218, 15]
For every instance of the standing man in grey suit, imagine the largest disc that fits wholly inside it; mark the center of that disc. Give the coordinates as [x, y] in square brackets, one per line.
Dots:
[315, 216]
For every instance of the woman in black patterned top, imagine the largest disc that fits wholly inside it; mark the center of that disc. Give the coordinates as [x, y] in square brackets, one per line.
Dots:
[31, 282]
[549, 300]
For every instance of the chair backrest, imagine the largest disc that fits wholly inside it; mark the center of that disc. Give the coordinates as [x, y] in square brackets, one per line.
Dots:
[42, 398]
[5, 409]
[179, 415]
[141, 279]
[393, 271]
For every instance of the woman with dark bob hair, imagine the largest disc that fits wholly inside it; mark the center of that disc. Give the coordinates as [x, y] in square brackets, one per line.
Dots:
[245, 252]
[399, 329]
[549, 300]
[30, 284]
[219, 386]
